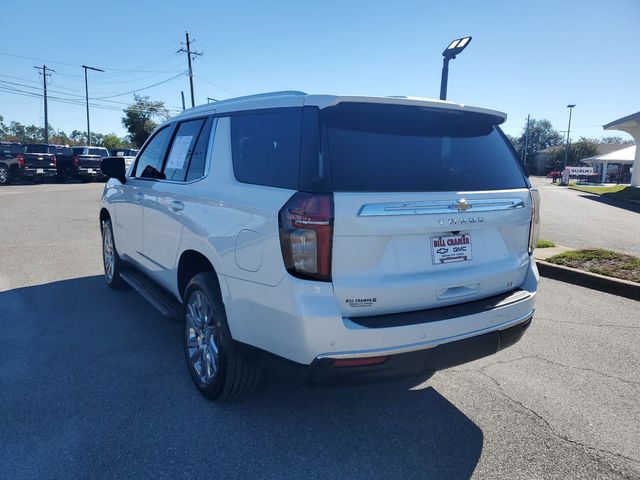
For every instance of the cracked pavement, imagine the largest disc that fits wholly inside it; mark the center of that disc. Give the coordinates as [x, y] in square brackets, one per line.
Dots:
[93, 384]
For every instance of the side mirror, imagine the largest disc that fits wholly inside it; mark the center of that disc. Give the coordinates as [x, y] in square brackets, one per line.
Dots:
[113, 167]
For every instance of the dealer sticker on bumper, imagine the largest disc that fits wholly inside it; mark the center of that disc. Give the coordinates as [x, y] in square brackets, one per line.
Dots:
[451, 248]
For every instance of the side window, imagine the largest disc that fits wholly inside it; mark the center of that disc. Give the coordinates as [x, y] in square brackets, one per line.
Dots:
[150, 160]
[266, 147]
[197, 163]
[182, 148]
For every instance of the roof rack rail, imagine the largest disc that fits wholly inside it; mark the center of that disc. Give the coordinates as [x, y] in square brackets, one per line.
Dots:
[260, 95]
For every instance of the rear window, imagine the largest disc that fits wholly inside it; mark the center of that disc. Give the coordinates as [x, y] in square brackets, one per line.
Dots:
[37, 148]
[266, 147]
[11, 148]
[103, 152]
[391, 148]
[78, 150]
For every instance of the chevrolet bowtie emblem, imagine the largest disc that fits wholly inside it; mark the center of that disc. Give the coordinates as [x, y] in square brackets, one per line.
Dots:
[461, 205]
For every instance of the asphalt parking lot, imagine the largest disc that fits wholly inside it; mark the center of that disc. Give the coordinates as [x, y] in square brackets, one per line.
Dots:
[94, 384]
[583, 220]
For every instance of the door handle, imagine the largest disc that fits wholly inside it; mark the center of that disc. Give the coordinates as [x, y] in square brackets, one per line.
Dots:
[138, 196]
[177, 206]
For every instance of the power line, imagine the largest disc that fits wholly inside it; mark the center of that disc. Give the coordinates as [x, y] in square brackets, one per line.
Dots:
[63, 93]
[77, 102]
[140, 89]
[138, 69]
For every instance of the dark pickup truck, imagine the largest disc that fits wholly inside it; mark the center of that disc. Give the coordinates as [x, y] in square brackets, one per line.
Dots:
[11, 161]
[39, 162]
[87, 161]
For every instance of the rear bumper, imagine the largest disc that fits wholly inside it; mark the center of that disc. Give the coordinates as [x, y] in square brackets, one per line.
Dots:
[28, 172]
[415, 363]
[89, 172]
[301, 321]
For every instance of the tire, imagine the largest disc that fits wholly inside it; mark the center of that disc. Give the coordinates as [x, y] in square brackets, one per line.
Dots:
[110, 258]
[5, 175]
[216, 368]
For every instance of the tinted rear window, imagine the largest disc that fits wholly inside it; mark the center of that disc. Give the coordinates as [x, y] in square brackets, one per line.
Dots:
[103, 152]
[390, 148]
[11, 148]
[266, 147]
[78, 150]
[37, 148]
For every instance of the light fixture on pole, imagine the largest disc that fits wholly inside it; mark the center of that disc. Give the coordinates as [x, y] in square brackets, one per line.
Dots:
[454, 48]
[86, 91]
[566, 151]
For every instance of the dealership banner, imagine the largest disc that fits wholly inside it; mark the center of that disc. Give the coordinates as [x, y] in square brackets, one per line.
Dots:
[579, 171]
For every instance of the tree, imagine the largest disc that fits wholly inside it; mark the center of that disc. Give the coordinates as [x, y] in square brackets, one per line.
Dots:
[583, 148]
[112, 141]
[139, 119]
[542, 135]
[617, 140]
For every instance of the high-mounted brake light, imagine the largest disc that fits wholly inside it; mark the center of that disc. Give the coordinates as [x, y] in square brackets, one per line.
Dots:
[306, 235]
[534, 229]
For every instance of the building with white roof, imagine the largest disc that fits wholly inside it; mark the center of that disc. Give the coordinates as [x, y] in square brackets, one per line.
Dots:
[631, 125]
[624, 157]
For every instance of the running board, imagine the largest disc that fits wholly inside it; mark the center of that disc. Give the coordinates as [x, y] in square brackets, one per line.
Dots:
[153, 293]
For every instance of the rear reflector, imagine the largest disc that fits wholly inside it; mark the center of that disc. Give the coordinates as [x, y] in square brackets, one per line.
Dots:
[359, 362]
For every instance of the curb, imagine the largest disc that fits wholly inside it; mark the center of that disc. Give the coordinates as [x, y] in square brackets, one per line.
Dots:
[615, 286]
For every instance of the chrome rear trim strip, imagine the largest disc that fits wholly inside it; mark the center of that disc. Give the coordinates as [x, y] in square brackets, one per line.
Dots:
[437, 207]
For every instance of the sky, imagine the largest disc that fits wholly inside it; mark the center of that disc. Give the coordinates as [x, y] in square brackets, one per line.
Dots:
[526, 57]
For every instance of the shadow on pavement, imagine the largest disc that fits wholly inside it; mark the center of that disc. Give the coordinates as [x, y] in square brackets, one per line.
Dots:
[94, 384]
[632, 207]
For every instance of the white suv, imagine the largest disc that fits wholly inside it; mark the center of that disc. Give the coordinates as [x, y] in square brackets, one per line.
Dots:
[337, 238]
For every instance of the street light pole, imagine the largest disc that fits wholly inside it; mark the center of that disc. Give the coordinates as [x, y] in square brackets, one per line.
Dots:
[454, 48]
[86, 91]
[445, 78]
[566, 151]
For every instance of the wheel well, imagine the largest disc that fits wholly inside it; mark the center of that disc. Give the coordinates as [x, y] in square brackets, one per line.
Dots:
[104, 215]
[191, 263]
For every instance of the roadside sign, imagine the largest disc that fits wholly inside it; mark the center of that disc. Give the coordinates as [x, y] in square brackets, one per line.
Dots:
[580, 171]
[564, 180]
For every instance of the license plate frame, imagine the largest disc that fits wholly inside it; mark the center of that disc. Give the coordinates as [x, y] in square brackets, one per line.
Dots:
[451, 248]
[39, 170]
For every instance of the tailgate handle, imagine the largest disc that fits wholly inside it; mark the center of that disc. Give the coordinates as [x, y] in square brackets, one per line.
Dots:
[445, 293]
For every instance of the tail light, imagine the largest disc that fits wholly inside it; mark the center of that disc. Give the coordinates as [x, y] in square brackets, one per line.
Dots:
[75, 161]
[534, 230]
[53, 161]
[306, 235]
[20, 160]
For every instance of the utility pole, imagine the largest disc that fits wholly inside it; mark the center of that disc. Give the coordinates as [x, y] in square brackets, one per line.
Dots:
[86, 91]
[182, 95]
[566, 152]
[526, 142]
[43, 71]
[189, 59]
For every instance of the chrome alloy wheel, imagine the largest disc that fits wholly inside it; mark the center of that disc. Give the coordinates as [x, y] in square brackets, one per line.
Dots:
[201, 335]
[108, 252]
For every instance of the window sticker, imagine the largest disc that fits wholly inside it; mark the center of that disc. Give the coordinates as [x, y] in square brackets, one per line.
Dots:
[179, 151]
